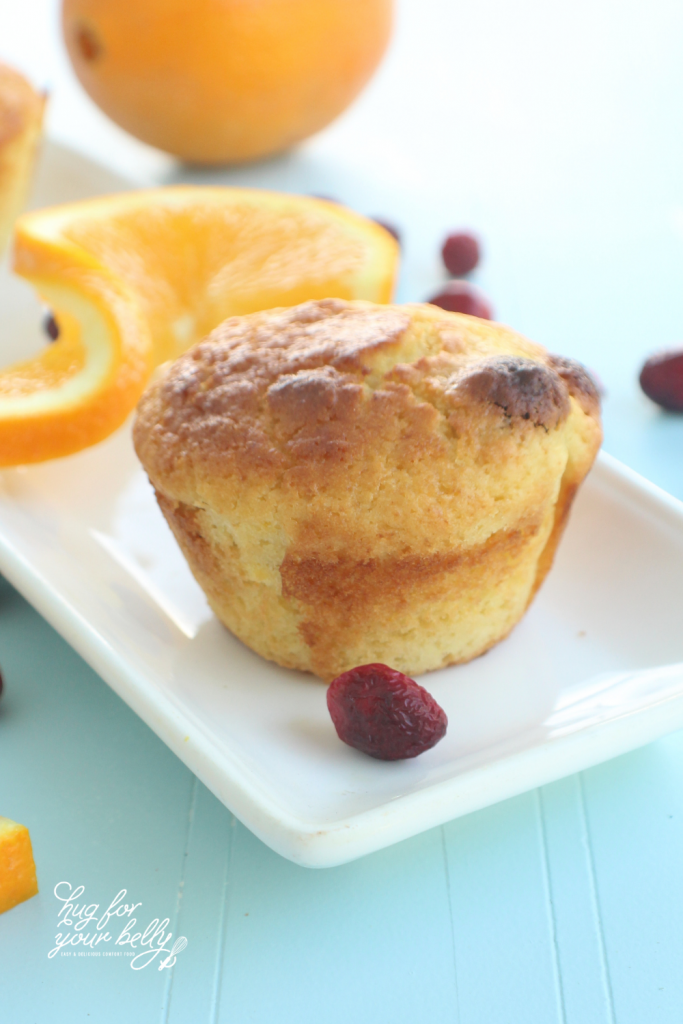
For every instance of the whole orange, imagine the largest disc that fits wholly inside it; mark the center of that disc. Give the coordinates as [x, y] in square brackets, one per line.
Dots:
[224, 81]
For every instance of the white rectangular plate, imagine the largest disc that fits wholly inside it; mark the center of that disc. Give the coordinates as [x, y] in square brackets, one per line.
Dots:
[595, 668]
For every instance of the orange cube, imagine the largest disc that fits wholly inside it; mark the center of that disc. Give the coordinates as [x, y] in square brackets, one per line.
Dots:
[18, 880]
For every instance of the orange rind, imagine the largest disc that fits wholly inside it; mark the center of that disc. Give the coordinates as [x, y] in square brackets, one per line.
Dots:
[134, 279]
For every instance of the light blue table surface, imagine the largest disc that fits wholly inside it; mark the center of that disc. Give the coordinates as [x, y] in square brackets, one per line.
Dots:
[556, 131]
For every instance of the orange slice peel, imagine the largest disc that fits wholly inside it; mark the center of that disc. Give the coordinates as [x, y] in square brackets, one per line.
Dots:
[135, 279]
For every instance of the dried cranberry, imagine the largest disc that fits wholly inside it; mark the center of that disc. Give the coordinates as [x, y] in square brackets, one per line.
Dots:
[461, 297]
[388, 226]
[384, 713]
[50, 326]
[460, 253]
[661, 378]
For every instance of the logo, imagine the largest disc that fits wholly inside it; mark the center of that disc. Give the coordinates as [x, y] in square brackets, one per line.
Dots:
[89, 932]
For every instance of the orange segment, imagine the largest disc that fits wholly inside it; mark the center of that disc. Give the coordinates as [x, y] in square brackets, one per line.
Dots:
[18, 880]
[134, 279]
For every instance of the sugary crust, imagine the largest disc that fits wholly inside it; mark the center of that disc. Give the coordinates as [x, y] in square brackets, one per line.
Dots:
[354, 483]
[238, 401]
[579, 383]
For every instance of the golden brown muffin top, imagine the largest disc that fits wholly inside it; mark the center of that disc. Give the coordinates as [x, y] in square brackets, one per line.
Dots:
[19, 103]
[352, 458]
[314, 388]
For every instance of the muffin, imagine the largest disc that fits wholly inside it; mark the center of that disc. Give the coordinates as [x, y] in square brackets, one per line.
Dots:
[21, 116]
[355, 483]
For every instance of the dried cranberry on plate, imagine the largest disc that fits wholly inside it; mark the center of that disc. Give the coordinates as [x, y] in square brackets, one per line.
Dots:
[384, 713]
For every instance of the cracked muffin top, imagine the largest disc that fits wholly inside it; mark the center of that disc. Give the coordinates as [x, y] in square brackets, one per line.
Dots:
[352, 425]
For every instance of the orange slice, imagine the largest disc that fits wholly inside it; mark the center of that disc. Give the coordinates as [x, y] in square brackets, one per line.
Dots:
[135, 279]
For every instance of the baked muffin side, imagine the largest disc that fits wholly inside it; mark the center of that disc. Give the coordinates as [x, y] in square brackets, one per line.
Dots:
[21, 117]
[354, 483]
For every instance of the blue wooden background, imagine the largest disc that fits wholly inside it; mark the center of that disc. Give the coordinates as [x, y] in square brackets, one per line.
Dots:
[556, 131]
